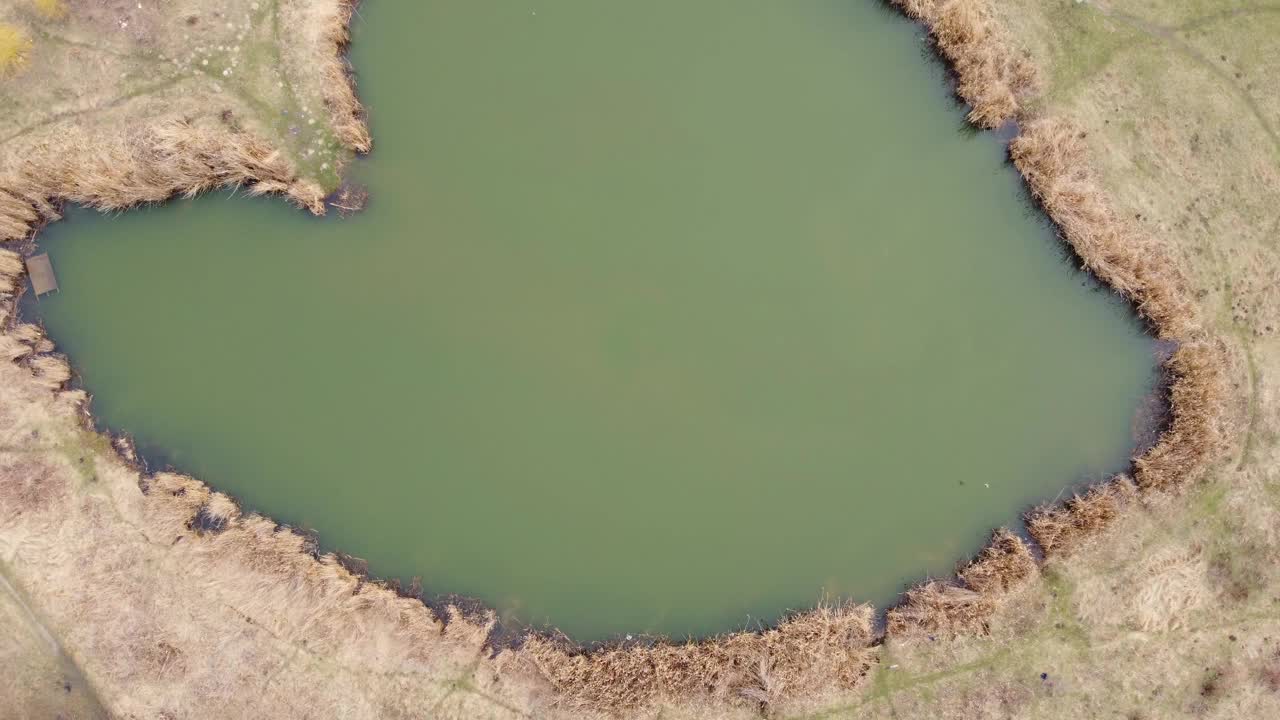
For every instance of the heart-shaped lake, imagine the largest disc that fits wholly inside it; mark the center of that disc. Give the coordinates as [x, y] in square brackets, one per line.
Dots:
[664, 317]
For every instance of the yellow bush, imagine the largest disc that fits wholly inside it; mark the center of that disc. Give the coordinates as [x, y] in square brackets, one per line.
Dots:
[13, 48]
[51, 9]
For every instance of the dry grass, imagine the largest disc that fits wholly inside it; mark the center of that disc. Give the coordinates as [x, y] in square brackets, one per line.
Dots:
[1196, 401]
[51, 371]
[993, 78]
[1004, 565]
[27, 333]
[1050, 154]
[11, 265]
[14, 46]
[11, 271]
[1059, 529]
[19, 214]
[957, 608]
[816, 653]
[1268, 673]
[348, 115]
[940, 608]
[1166, 588]
[148, 165]
[33, 484]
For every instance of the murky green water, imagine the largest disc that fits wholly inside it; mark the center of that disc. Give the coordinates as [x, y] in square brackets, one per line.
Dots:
[666, 316]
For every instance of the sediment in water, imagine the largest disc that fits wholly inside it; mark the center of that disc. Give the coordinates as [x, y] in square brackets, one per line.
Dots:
[282, 581]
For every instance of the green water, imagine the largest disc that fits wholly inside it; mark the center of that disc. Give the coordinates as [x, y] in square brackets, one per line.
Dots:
[664, 317]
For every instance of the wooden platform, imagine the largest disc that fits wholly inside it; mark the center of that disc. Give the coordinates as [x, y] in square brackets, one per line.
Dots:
[41, 272]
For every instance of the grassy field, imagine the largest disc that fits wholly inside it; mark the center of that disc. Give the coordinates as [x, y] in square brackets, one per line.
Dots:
[111, 598]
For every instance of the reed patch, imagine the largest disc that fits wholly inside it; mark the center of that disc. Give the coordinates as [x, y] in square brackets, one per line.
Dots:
[992, 77]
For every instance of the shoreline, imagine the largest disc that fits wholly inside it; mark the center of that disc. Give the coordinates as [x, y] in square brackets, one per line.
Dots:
[815, 652]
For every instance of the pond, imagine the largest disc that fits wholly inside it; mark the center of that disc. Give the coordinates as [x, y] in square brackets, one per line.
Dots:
[664, 317]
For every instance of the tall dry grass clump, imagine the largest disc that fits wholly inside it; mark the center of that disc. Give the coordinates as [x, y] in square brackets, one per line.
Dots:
[147, 165]
[1060, 529]
[290, 583]
[1002, 566]
[940, 608]
[51, 371]
[993, 78]
[20, 210]
[1052, 157]
[819, 651]
[346, 112]
[965, 606]
[27, 333]
[11, 269]
[1196, 397]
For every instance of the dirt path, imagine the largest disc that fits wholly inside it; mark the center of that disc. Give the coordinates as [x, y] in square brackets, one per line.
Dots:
[41, 680]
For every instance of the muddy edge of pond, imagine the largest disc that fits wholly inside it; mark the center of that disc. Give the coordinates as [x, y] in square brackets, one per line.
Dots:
[806, 656]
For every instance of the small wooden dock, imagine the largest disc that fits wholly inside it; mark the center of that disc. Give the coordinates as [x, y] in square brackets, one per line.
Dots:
[41, 272]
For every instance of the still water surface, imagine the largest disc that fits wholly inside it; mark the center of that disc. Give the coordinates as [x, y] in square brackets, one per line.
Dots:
[665, 317]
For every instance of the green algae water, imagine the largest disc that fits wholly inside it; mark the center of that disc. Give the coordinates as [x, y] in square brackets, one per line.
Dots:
[664, 317]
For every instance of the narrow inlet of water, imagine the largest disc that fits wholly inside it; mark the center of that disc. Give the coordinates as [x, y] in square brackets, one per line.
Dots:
[664, 317]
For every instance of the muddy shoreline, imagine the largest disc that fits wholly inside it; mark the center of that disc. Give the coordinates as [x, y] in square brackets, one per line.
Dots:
[812, 652]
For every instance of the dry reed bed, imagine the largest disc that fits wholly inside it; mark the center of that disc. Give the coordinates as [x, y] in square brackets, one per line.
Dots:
[814, 653]
[1058, 530]
[811, 655]
[153, 163]
[992, 78]
[346, 113]
[964, 606]
[146, 165]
